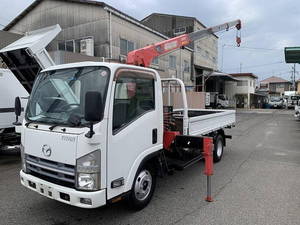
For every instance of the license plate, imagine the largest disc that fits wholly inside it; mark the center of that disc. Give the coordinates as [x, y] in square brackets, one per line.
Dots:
[46, 190]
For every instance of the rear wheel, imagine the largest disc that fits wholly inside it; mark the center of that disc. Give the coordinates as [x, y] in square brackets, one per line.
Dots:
[218, 148]
[143, 187]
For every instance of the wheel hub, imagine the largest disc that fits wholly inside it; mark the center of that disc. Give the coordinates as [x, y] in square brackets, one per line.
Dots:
[143, 185]
[219, 148]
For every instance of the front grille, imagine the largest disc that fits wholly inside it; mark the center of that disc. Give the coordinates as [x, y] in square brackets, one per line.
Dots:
[54, 172]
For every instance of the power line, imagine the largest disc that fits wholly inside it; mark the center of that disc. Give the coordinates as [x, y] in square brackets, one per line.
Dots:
[252, 48]
[253, 66]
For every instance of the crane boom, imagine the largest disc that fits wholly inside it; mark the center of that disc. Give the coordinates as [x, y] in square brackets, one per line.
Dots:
[144, 56]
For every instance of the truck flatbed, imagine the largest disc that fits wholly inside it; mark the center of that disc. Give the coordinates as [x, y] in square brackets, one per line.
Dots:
[204, 121]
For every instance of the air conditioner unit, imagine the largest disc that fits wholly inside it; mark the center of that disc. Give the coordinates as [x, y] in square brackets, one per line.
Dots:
[122, 59]
[87, 47]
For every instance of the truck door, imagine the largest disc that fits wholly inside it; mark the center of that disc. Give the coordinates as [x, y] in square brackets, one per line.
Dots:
[134, 128]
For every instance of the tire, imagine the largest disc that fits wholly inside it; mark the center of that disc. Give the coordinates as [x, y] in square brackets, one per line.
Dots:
[143, 187]
[218, 148]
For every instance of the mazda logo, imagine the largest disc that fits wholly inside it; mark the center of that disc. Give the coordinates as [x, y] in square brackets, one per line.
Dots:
[46, 150]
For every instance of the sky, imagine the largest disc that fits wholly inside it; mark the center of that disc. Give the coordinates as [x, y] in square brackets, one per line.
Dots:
[267, 27]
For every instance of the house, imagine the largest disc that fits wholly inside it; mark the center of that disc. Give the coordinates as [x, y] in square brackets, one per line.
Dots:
[242, 91]
[298, 86]
[274, 86]
[93, 30]
[205, 52]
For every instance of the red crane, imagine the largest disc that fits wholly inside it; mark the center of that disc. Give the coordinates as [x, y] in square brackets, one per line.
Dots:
[144, 56]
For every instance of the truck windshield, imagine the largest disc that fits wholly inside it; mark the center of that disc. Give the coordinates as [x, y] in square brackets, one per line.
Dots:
[58, 96]
[275, 99]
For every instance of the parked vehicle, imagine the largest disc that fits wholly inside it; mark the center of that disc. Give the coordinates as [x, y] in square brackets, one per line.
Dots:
[219, 101]
[96, 132]
[10, 88]
[297, 110]
[292, 101]
[276, 102]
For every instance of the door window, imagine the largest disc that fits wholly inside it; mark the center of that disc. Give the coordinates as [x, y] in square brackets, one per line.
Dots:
[133, 97]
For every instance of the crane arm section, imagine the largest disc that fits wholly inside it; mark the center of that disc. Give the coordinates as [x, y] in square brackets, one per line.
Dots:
[144, 56]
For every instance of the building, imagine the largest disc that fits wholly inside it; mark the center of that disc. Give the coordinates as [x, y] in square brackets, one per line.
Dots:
[298, 86]
[94, 31]
[274, 86]
[242, 92]
[6, 39]
[205, 55]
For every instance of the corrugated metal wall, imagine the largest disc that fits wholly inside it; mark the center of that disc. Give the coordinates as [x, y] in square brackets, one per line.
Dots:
[86, 20]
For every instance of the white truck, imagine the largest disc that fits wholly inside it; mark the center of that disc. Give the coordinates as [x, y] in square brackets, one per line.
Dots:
[219, 101]
[10, 88]
[97, 132]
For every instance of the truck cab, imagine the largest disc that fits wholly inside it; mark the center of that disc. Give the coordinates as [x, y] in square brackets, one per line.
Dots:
[63, 162]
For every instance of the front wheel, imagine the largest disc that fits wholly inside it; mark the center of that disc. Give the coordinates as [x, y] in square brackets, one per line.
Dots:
[218, 148]
[143, 188]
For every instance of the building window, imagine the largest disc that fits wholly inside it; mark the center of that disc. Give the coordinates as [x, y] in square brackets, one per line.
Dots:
[179, 30]
[199, 49]
[214, 59]
[242, 83]
[207, 54]
[62, 46]
[155, 61]
[70, 46]
[280, 85]
[215, 42]
[186, 66]
[126, 46]
[172, 62]
[76, 45]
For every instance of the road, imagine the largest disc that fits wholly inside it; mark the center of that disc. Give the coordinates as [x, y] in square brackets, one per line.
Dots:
[257, 182]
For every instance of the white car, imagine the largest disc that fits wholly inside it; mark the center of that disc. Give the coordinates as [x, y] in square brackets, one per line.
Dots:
[275, 102]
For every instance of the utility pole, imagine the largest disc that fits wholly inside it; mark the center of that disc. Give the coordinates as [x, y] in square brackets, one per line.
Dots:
[293, 78]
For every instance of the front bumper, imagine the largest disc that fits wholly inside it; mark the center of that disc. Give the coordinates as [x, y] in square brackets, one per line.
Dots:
[63, 194]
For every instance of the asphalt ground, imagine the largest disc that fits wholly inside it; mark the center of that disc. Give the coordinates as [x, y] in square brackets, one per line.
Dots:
[257, 182]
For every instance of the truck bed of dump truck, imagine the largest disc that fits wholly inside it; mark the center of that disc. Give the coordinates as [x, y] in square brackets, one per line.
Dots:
[204, 121]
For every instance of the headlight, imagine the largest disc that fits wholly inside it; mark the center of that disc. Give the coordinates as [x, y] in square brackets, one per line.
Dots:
[88, 171]
[23, 161]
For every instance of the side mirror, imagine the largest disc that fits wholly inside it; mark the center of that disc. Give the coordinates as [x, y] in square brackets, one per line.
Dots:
[93, 110]
[18, 110]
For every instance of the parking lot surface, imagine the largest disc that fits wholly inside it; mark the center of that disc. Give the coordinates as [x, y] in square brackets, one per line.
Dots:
[257, 182]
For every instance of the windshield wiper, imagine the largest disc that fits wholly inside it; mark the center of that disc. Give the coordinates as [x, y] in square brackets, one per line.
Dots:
[28, 123]
[53, 126]
[74, 121]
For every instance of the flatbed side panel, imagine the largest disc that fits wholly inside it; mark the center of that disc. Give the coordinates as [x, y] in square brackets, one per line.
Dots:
[205, 124]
